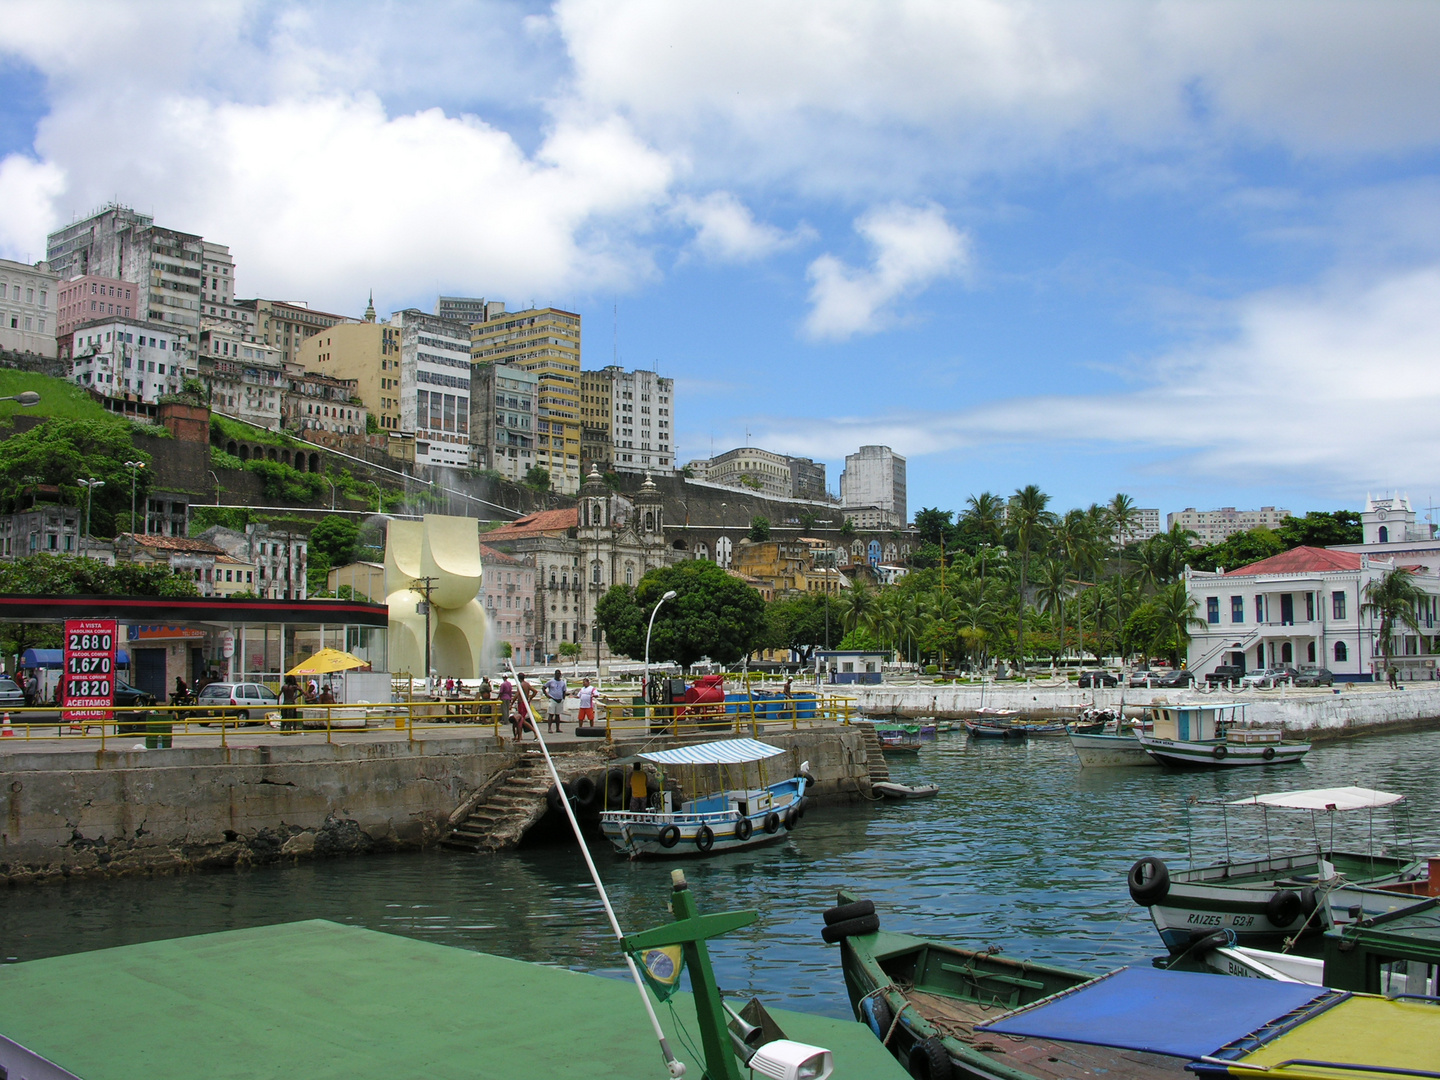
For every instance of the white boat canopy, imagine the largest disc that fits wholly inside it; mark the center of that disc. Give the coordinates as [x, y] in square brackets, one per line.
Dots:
[725, 752]
[1338, 798]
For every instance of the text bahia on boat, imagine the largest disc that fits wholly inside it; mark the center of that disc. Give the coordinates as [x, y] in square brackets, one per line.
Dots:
[715, 809]
[1215, 736]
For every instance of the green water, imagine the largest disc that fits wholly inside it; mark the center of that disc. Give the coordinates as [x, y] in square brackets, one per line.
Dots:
[1022, 849]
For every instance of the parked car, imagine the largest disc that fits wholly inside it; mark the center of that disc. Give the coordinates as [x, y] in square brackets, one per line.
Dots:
[1225, 674]
[1269, 678]
[1314, 676]
[1141, 677]
[11, 696]
[132, 697]
[1173, 680]
[248, 701]
[1097, 678]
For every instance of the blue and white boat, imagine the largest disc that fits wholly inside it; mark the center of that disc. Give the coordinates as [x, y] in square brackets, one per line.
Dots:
[716, 813]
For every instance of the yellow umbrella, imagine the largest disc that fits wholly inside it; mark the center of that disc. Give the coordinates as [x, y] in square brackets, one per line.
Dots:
[327, 660]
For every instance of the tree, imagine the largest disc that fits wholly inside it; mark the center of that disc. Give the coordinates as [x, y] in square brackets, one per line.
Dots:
[537, 478]
[569, 650]
[1053, 580]
[847, 528]
[1028, 518]
[1320, 528]
[713, 614]
[799, 623]
[1178, 612]
[506, 650]
[933, 525]
[856, 605]
[61, 452]
[336, 538]
[982, 522]
[759, 529]
[1238, 549]
[808, 519]
[1395, 598]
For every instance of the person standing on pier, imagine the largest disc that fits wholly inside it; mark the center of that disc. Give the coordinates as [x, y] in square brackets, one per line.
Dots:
[587, 696]
[507, 698]
[289, 696]
[555, 691]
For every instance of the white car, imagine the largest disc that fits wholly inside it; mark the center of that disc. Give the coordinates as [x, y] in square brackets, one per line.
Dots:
[248, 701]
[1268, 679]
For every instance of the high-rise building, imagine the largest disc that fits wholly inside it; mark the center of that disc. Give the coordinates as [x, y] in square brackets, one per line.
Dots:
[807, 479]
[642, 434]
[503, 415]
[750, 467]
[128, 358]
[286, 323]
[547, 342]
[27, 308]
[597, 391]
[90, 297]
[435, 386]
[1212, 526]
[875, 476]
[467, 309]
[368, 353]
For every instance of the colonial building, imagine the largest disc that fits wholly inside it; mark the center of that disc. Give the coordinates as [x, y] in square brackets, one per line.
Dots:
[277, 557]
[214, 572]
[508, 595]
[1307, 606]
[319, 406]
[129, 358]
[246, 377]
[90, 298]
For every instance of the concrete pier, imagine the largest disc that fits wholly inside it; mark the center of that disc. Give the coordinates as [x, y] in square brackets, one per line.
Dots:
[1321, 713]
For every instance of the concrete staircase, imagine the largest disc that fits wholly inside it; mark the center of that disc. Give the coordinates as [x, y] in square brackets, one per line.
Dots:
[500, 818]
[874, 754]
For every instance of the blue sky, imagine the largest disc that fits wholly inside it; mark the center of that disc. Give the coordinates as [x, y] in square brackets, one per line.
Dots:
[1186, 251]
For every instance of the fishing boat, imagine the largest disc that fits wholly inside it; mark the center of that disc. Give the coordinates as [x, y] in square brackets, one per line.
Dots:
[1293, 897]
[901, 792]
[899, 746]
[714, 817]
[1215, 736]
[1105, 751]
[989, 729]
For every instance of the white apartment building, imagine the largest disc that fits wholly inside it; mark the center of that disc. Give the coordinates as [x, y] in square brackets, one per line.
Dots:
[1146, 525]
[276, 555]
[642, 421]
[246, 377]
[874, 476]
[28, 305]
[127, 357]
[435, 386]
[1306, 606]
[1212, 526]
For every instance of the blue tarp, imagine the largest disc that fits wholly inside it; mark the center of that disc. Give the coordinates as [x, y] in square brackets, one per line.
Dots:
[1185, 1014]
[55, 658]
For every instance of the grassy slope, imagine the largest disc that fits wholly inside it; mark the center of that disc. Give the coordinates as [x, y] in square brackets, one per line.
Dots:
[57, 397]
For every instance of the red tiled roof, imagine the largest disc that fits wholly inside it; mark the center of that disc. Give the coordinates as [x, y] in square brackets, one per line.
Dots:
[487, 552]
[536, 524]
[174, 543]
[1301, 560]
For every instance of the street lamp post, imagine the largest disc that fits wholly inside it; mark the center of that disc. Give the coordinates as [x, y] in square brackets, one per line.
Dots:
[217, 487]
[24, 399]
[332, 492]
[379, 497]
[89, 486]
[668, 596]
[134, 467]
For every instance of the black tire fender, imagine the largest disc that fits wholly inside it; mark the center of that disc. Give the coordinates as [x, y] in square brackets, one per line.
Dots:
[876, 1012]
[846, 912]
[553, 796]
[705, 838]
[1309, 900]
[1283, 908]
[744, 828]
[1149, 881]
[865, 924]
[615, 788]
[1268, 753]
[1220, 751]
[929, 1060]
[772, 823]
[790, 819]
[669, 836]
[585, 791]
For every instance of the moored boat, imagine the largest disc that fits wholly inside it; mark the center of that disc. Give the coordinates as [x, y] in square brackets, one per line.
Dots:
[1121, 750]
[901, 792]
[989, 729]
[713, 818]
[1215, 736]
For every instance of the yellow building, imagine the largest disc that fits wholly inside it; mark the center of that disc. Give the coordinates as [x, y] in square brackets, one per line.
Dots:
[597, 389]
[547, 342]
[287, 326]
[367, 352]
[785, 566]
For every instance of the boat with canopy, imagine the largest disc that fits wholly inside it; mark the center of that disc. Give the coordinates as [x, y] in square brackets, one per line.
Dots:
[724, 802]
[1215, 736]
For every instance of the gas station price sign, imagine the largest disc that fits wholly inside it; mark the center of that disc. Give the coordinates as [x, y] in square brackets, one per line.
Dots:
[89, 675]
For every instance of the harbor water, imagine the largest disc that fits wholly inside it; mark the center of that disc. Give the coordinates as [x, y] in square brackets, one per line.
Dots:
[1022, 849]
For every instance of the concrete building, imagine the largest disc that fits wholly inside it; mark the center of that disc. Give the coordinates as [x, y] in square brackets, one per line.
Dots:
[467, 309]
[163, 264]
[287, 324]
[807, 479]
[312, 403]
[642, 432]
[504, 411]
[869, 517]
[277, 557]
[547, 342]
[875, 476]
[1212, 526]
[508, 596]
[435, 386]
[217, 283]
[246, 378]
[1147, 524]
[90, 298]
[214, 572]
[597, 394]
[28, 302]
[749, 467]
[785, 567]
[1306, 606]
[43, 528]
[128, 358]
[367, 353]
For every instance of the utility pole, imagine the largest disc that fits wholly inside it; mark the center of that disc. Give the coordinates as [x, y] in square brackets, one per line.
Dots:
[425, 586]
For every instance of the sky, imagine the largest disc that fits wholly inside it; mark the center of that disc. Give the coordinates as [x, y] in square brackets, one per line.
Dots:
[1185, 251]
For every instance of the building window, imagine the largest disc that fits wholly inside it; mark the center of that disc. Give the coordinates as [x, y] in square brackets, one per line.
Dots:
[1237, 609]
[1310, 652]
[1337, 607]
[1212, 610]
[1287, 653]
[1260, 609]
[1384, 535]
[1342, 654]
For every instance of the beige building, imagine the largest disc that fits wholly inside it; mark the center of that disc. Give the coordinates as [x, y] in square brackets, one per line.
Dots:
[642, 419]
[286, 324]
[597, 447]
[547, 342]
[28, 302]
[1213, 526]
[368, 353]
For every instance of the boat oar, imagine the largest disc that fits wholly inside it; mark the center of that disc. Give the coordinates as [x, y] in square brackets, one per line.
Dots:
[673, 1064]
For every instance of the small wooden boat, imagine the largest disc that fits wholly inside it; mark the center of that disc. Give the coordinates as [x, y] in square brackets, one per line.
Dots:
[1215, 737]
[983, 729]
[899, 746]
[891, 790]
[1101, 751]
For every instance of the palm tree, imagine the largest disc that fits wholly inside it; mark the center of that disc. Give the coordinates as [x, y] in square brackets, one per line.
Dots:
[1395, 597]
[985, 516]
[1028, 518]
[1122, 514]
[1053, 582]
[1179, 612]
[855, 606]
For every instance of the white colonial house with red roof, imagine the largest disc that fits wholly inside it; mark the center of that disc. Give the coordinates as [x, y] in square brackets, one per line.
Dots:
[1306, 607]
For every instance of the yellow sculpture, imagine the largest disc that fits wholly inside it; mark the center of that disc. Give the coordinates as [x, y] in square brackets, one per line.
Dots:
[439, 555]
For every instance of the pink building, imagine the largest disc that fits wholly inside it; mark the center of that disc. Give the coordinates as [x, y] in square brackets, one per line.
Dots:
[91, 297]
[508, 594]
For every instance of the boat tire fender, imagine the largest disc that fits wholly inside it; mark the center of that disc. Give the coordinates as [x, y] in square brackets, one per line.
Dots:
[846, 912]
[615, 788]
[553, 795]
[791, 817]
[743, 828]
[772, 823]
[1268, 753]
[1283, 908]
[1309, 900]
[585, 791]
[878, 1015]
[669, 836]
[705, 838]
[929, 1060]
[1149, 881]
[865, 924]
[1220, 751]
[800, 806]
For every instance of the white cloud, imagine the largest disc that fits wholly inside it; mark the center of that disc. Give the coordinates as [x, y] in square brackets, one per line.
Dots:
[26, 190]
[1331, 389]
[914, 245]
[726, 230]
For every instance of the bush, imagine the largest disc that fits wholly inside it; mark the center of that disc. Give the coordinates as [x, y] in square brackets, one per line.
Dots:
[932, 669]
[219, 459]
[284, 483]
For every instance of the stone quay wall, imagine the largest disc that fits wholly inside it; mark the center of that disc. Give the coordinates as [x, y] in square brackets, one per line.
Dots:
[1314, 713]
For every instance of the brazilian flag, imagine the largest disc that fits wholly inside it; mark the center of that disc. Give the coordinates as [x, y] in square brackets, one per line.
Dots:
[662, 967]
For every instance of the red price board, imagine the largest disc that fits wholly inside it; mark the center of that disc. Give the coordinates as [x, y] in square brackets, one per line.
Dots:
[88, 681]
